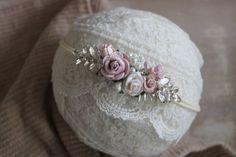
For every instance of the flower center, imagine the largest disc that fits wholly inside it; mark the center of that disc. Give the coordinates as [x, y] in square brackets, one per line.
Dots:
[150, 83]
[114, 65]
[134, 86]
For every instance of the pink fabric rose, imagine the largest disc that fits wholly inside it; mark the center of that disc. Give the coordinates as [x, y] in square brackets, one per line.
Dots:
[106, 50]
[157, 70]
[115, 66]
[150, 83]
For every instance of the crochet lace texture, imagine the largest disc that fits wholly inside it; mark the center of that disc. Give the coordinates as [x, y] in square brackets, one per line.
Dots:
[116, 123]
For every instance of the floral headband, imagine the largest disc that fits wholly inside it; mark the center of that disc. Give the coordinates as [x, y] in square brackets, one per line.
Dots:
[142, 82]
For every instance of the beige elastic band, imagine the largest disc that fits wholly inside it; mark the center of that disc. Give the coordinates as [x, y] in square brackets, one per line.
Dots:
[186, 105]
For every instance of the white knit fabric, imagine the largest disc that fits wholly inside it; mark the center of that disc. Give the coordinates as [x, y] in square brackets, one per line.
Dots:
[116, 123]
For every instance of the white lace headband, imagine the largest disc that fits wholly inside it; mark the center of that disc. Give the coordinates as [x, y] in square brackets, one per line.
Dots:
[143, 82]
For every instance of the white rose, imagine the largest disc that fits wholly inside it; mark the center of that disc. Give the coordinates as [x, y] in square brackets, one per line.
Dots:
[133, 84]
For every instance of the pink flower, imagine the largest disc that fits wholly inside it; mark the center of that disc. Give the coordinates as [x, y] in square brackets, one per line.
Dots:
[150, 83]
[106, 50]
[115, 66]
[157, 70]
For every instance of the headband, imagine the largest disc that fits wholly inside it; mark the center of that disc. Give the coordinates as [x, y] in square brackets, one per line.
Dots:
[142, 82]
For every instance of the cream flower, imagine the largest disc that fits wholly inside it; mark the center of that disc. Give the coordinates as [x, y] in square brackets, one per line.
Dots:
[133, 85]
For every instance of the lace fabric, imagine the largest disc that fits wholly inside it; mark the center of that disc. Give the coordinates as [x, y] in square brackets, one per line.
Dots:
[126, 127]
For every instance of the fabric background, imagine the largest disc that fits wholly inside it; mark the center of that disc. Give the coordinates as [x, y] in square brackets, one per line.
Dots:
[30, 124]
